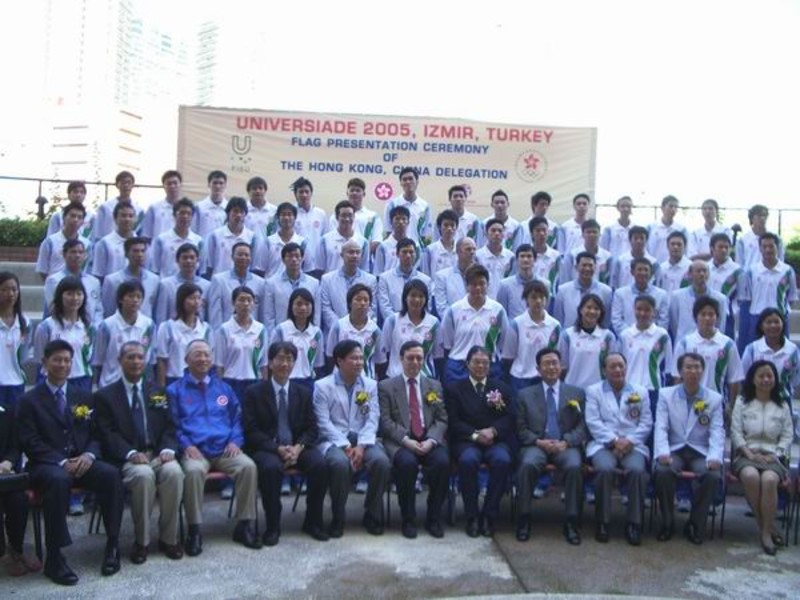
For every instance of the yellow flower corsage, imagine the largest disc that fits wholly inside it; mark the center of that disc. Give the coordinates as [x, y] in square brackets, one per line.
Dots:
[361, 398]
[158, 400]
[81, 412]
[432, 398]
[699, 406]
[575, 405]
[634, 398]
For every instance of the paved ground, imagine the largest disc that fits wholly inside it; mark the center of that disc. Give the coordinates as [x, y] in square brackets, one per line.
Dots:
[362, 566]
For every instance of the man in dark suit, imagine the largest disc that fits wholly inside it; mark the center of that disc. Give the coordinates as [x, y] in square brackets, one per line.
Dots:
[13, 502]
[551, 428]
[481, 429]
[413, 426]
[280, 430]
[56, 430]
[139, 438]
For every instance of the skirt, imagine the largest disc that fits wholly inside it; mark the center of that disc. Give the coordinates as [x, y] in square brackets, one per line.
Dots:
[776, 467]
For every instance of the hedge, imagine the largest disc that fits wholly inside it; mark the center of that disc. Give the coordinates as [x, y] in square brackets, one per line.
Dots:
[22, 233]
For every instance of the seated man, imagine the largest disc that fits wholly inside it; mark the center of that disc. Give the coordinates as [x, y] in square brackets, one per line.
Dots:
[619, 421]
[346, 405]
[481, 430]
[207, 418]
[689, 436]
[413, 425]
[280, 431]
[139, 438]
[550, 428]
[55, 427]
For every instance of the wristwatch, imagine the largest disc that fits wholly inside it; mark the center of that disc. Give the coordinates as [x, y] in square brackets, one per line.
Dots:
[474, 437]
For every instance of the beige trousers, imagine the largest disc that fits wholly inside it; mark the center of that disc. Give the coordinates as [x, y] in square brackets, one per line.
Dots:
[144, 482]
[245, 476]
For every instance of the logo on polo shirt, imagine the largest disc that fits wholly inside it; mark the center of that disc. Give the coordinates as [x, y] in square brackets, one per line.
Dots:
[222, 400]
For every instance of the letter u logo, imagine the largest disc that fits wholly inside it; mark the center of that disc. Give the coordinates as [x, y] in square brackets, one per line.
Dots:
[241, 145]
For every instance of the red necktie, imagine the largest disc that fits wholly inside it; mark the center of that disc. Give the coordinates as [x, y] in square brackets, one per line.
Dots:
[413, 408]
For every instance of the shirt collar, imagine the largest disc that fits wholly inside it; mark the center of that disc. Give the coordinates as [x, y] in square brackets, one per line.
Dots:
[54, 388]
[276, 387]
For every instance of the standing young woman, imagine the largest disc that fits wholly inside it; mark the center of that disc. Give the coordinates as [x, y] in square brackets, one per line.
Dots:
[240, 346]
[299, 329]
[14, 339]
[413, 322]
[585, 345]
[175, 335]
[69, 321]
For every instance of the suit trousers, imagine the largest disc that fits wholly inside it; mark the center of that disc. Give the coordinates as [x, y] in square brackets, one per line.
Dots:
[240, 467]
[469, 457]
[532, 461]
[270, 476]
[703, 488]
[55, 483]
[340, 476]
[143, 482]
[14, 506]
[634, 464]
[436, 466]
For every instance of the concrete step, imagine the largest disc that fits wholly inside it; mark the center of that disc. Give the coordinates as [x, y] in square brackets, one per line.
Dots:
[32, 298]
[26, 272]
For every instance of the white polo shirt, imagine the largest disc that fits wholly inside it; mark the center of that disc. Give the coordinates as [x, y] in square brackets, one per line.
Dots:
[766, 287]
[583, 353]
[368, 337]
[310, 347]
[649, 355]
[464, 327]
[112, 334]
[174, 336]
[397, 330]
[162, 256]
[80, 337]
[241, 351]
[723, 364]
[525, 338]
[14, 354]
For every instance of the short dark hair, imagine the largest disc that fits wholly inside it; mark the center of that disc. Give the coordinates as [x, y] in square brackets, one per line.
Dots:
[242, 289]
[499, 193]
[256, 181]
[291, 247]
[216, 174]
[584, 254]
[304, 294]
[701, 303]
[456, 188]
[638, 230]
[403, 211]
[359, 287]
[239, 245]
[76, 185]
[535, 287]
[184, 291]
[404, 243]
[446, 215]
[476, 271]
[134, 241]
[281, 347]
[541, 197]
[182, 203]
[357, 182]
[536, 221]
[769, 236]
[128, 287]
[477, 349]
[719, 237]
[171, 173]
[184, 248]
[342, 205]
[236, 202]
[119, 206]
[70, 206]
[525, 248]
[579, 196]
[677, 234]
[645, 298]
[590, 224]
[641, 261]
[344, 348]
[691, 356]
[286, 206]
[123, 175]
[410, 344]
[411, 170]
[301, 182]
[54, 346]
[667, 199]
[493, 221]
[757, 209]
[70, 244]
[544, 352]
[765, 314]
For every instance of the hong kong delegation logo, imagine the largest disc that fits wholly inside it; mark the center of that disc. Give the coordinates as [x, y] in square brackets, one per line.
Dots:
[383, 191]
[531, 165]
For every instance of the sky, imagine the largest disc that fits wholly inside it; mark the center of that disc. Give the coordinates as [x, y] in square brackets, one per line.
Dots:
[693, 98]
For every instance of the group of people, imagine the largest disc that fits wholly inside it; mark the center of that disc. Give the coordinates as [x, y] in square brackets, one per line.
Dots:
[276, 323]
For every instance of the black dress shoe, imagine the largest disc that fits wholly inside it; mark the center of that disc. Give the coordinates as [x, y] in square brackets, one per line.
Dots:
[409, 530]
[769, 550]
[691, 533]
[524, 528]
[571, 534]
[138, 554]
[487, 527]
[336, 529]
[245, 534]
[271, 537]
[316, 532]
[633, 533]
[194, 542]
[110, 560]
[57, 569]
[472, 528]
[372, 525]
[171, 551]
[601, 533]
[434, 528]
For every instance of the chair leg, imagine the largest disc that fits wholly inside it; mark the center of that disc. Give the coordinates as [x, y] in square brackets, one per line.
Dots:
[37, 532]
[722, 516]
[180, 522]
[297, 496]
[230, 504]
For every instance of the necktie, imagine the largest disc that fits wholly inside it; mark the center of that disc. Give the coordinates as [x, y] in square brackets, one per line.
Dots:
[61, 401]
[552, 431]
[618, 396]
[417, 431]
[479, 389]
[284, 431]
[138, 419]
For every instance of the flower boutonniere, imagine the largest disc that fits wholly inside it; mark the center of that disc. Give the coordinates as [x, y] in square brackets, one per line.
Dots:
[362, 401]
[495, 400]
[700, 409]
[432, 398]
[574, 405]
[158, 400]
[81, 412]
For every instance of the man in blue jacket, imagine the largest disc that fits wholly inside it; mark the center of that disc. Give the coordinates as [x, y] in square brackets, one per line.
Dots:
[208, 423]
